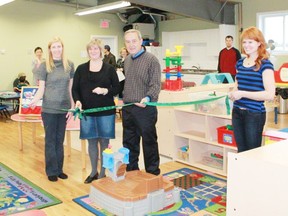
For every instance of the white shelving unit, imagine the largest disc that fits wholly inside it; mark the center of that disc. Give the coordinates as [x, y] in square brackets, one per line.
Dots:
[198, 131]
[257, 181]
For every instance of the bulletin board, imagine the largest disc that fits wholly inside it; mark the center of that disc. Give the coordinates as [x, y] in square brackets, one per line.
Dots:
[27, 95]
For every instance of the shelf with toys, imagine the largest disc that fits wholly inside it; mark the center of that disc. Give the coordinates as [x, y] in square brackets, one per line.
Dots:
[203, 138]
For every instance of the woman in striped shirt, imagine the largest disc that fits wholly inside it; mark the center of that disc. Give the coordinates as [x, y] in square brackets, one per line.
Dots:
[254, 84]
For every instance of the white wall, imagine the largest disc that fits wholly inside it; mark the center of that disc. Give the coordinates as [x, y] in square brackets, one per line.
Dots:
[26, 25]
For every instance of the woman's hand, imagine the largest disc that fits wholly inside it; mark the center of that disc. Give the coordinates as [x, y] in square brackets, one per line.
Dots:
[235, 95]
[78, 105]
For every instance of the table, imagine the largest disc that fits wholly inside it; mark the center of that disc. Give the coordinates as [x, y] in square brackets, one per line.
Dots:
[20, 119]
[10, 96]
[74, 125]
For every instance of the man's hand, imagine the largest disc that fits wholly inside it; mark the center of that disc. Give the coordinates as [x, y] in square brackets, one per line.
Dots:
[143, 102]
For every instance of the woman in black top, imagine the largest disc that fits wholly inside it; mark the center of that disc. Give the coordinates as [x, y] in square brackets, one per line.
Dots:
[95, 84]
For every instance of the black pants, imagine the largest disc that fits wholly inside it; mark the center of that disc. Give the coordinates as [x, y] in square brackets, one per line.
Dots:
[140, 123]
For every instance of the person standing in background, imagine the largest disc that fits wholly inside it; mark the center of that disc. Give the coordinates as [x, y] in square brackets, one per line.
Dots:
[142, 84]
[36, 63]
[95, 84]
[55, 84]
[228, 58]
[109, 58]
[254, 84]
[120, 68]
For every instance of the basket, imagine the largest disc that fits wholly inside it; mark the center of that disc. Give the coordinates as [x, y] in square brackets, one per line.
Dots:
[210, 159]
[226, 136]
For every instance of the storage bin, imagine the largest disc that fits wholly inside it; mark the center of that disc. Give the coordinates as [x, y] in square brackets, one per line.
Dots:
[213, 159]
[183, 153]
[217, 107]
[226, 136]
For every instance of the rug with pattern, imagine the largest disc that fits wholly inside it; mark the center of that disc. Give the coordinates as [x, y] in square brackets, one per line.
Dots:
[201, 195]
[19, 194]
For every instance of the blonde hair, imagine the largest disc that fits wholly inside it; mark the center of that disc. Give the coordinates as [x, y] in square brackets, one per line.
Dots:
[123, 49]
[95, 42]
[255, 34]
[50, 62]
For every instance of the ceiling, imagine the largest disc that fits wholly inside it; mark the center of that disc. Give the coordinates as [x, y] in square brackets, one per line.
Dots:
[145, 11]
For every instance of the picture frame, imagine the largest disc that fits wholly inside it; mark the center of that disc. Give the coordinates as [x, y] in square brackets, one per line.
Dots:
[27, 95]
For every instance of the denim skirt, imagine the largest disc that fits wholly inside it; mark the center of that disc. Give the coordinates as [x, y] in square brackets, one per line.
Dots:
[92, 127]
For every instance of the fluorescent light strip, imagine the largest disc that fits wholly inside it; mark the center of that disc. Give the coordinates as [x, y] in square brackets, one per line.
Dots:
[3, 2]
[104, 7]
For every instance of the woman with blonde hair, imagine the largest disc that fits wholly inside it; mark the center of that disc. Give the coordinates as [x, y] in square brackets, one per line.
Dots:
[55, 83]
[95, 84]
[254, 84]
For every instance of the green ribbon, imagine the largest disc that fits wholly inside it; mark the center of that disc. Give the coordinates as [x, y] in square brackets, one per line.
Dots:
[81, 113]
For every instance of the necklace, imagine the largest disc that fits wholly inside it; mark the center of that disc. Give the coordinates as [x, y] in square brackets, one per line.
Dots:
[250, 61]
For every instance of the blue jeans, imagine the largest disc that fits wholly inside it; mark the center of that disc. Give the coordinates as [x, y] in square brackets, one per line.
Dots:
[92, 127]
[54, 126]
[247, 128]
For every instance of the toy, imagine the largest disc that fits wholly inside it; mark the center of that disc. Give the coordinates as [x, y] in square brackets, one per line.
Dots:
[138, 194]
[116, 162]
[131, 193]
[175, 59]
[281, 76]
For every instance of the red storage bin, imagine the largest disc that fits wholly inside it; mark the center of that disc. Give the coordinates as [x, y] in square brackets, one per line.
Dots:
[226, 136]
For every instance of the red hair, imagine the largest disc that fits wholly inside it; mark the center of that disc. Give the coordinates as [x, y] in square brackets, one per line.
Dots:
[255, 34]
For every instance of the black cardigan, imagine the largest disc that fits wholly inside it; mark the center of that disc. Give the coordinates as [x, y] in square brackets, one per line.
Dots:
[85, 81]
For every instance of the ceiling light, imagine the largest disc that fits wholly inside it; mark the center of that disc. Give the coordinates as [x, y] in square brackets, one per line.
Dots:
[104, 7]
[3, 2]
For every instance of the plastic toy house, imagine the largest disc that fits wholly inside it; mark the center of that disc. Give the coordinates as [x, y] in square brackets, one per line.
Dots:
[139, 193]
[131, 193]
[116, 162]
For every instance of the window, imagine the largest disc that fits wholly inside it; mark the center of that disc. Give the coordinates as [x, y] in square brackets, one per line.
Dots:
[274, 26]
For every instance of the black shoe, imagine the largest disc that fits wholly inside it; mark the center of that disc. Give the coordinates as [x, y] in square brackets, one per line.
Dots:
[63, 176]
[89, 179]
[52, 178]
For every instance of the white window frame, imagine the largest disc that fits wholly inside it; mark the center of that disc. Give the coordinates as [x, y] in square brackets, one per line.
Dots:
[260, 24]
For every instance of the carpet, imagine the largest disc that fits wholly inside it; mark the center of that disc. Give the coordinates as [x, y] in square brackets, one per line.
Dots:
[201, 195]
[19, 194]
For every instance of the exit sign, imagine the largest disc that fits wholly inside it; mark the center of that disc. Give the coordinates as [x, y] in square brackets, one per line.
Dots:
[104, 23]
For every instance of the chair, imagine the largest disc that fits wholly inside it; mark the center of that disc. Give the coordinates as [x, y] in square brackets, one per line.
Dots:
[4, 111]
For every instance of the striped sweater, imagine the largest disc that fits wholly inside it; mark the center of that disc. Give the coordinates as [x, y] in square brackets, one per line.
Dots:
[250, 80]
[142, 78]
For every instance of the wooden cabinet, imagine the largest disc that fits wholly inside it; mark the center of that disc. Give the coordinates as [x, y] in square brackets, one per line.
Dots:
[196, 132]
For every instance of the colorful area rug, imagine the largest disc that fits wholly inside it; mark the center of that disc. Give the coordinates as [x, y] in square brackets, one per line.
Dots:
[201, 195]
[19, 194]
